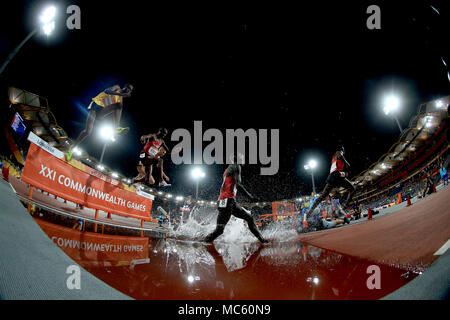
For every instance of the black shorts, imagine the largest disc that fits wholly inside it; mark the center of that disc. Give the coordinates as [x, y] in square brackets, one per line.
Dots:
[335, 180]
[231, 208]
[95, 107]
[146, 161]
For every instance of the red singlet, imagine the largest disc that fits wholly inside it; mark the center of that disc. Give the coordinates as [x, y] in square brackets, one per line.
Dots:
[337, 165]
[228, 189]
[152, 147]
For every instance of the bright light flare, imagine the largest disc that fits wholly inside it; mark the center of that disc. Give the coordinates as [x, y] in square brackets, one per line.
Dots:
[48, 14]
[107, 133]
[48, 28]
[391, 104]
[197, 173]
[312, 164]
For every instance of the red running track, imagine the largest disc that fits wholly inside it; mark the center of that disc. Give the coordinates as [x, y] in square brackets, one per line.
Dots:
[407, 238]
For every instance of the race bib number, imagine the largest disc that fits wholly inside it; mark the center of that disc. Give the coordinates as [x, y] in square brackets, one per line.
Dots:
[223, 203]
[153, 151]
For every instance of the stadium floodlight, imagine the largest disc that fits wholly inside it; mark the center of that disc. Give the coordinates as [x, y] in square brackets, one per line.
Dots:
[48, 14]
[310, 166]
[47, 19]
[179, 198]
[77, 151]
[114, 175]
[391, 106]
[439, 104]
[47, 23]
[197, 174]
[106, 132]
[100, 167]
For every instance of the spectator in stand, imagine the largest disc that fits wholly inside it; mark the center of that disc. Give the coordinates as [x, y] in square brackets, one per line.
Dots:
[444, 174]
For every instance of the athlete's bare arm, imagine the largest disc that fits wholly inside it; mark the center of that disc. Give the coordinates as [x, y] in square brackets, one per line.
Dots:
[117, 91]
[341, 157]
[235, 170]
[144, 138]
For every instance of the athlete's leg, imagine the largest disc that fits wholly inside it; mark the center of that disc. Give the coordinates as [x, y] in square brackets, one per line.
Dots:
[222, 220]
[151, 180]
[159, 166]
[350, 188]
[322, 196]
[241, 213]
[117, 115]
[90, 120]
[116, 110]
[141, 173]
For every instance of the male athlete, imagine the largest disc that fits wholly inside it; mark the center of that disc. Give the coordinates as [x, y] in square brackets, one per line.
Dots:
[155, 148]
[227, 205]
[106, 102]
[337, 178]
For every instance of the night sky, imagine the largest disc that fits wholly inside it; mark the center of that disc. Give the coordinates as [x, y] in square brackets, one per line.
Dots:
[313, 71]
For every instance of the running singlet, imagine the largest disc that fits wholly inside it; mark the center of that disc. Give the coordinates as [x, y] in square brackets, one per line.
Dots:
[152, 147]
[336, 165]
[104, 99]
[228, 189]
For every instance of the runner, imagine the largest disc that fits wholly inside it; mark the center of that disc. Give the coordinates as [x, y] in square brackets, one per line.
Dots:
[155, 148]
[337, 177]
[227, 205]
[106, 102]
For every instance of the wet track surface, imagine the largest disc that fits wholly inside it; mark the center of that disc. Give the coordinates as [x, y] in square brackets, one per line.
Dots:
[290, 270]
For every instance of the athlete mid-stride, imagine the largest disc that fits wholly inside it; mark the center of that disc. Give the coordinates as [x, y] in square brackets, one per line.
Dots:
[337, 178]
[107, 102]
[227, 205]
[150, 155]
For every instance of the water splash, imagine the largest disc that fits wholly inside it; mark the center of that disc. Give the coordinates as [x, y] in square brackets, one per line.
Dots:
[202, 221]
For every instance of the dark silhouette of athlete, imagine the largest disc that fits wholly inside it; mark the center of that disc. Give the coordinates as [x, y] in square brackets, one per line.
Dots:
[106, 102]
[337, 178]
[227, 205]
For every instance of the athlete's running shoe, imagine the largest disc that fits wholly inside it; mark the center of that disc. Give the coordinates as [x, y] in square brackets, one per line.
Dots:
[346, 220]
[135, 180]
[164, 184]
[120, 130]
[68, 155]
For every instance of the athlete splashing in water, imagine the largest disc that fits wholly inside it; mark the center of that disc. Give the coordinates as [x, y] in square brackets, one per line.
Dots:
[337, 178]
[227, 205]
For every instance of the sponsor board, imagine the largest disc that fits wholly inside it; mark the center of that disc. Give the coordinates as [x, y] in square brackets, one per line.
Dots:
[46, 172]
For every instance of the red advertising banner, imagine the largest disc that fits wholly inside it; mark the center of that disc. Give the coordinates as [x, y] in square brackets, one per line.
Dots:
[48, 173]
[283, 208]
[90, 247]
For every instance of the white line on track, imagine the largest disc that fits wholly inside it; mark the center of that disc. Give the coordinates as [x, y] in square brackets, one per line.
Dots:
[442, 249]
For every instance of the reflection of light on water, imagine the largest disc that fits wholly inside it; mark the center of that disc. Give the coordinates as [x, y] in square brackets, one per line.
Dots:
[236, 255]
[314, 280]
